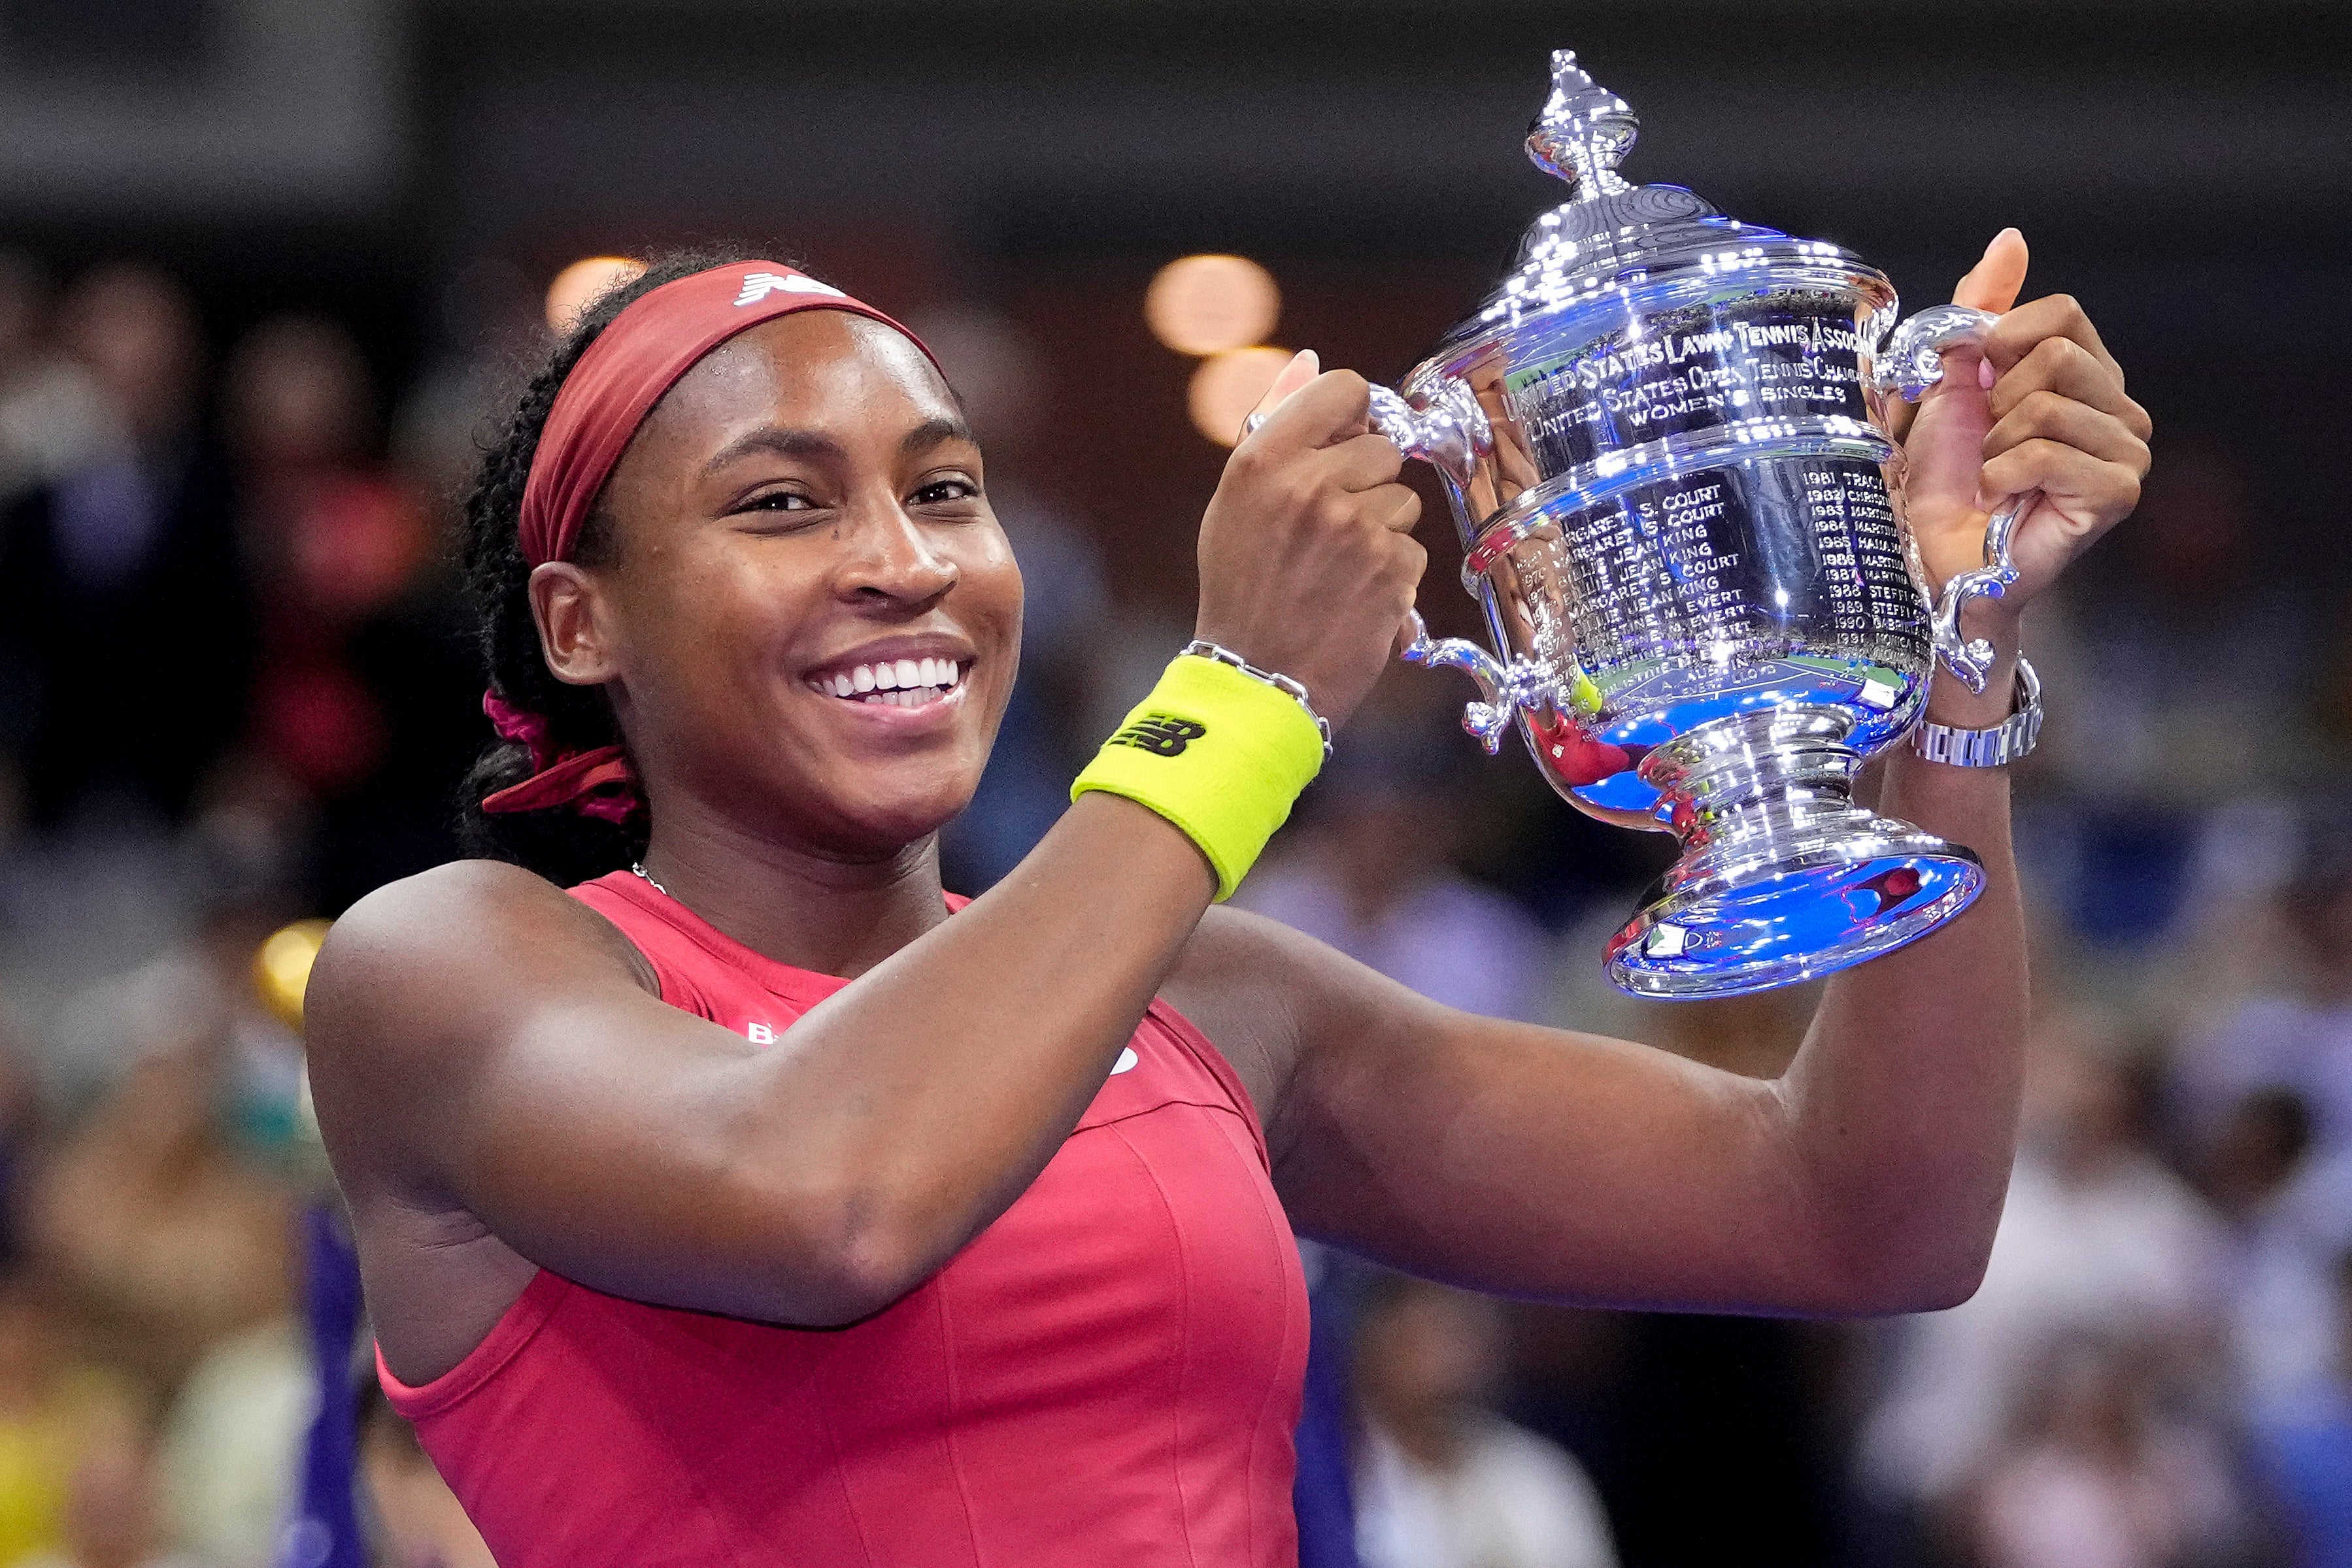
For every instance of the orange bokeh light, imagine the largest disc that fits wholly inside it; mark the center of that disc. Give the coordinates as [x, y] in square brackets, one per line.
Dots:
[581, 282]
[1209, 304]
[1227, 386]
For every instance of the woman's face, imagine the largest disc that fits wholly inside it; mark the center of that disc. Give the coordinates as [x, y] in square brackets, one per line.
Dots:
[810, 619]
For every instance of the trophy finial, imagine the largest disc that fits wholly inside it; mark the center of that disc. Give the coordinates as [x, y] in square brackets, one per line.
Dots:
[1582, 131]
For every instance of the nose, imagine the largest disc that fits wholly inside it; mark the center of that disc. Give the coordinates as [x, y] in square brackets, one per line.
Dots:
[892, 559]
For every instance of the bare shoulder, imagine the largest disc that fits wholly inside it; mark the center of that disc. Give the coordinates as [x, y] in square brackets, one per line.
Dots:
[421, 975]
[466, 912]
[428, 942]
[1264, 994]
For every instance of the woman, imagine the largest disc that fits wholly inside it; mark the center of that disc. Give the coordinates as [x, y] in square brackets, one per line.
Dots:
[747, 1205]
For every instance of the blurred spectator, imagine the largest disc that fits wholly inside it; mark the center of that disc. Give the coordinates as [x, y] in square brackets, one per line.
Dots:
[52, 1410]
[19, 1115]
[125, 633]
[163, 1236]
[1442, 1481]
[198, 997]
[111, 1517]
[228, 1458]
[2304, 1445]
[421, 1522]
[2295, 1032]
[334, 542]
[2291, 1216]
[2098, 1242]
[368, 704]
[2101, 1476]
[2167, 651]
[52, 418]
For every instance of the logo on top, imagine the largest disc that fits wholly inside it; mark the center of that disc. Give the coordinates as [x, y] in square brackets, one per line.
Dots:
[758, 286]
[1162, 734]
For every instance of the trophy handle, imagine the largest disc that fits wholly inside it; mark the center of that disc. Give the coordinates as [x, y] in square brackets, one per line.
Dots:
[1503, 688]
[1909, 362]
[1449, 431]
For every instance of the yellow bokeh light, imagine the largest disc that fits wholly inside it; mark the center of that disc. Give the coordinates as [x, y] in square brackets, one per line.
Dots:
[282, 968]
[581, 282]
[1209, 304]
[1227, 386]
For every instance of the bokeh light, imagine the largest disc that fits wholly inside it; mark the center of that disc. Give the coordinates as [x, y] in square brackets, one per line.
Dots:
[1210, 304]
[581, 282]
[281, 967]
[1227, 386]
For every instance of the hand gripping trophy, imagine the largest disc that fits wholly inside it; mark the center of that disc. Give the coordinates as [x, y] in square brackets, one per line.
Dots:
[1663, 437]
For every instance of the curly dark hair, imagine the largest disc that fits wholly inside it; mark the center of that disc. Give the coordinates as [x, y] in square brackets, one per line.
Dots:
[559, 845]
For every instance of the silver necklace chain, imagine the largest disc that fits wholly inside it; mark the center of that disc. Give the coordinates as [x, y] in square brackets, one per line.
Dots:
[639, 867]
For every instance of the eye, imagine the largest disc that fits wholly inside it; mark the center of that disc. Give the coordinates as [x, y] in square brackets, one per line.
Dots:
[947, 491]
[778, 501]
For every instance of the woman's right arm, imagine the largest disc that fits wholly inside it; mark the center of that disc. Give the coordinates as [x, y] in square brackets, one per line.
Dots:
[482, 1043]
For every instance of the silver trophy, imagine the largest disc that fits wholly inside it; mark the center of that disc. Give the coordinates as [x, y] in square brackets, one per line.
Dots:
[1663, 436]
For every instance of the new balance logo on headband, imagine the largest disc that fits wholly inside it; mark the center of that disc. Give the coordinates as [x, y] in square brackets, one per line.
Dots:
[758, 286]
[1160, 735]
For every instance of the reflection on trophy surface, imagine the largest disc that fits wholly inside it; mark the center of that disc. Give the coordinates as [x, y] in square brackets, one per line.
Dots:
[1663, 437]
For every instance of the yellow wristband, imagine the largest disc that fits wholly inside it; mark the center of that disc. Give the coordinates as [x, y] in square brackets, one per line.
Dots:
[1219, 754]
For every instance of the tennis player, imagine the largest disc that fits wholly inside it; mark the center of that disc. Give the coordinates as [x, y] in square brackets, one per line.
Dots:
[727, 1193]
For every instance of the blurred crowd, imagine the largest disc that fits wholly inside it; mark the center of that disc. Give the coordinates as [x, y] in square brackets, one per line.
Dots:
[235, 689]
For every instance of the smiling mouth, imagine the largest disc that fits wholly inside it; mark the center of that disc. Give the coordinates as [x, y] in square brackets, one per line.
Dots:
[893, 683]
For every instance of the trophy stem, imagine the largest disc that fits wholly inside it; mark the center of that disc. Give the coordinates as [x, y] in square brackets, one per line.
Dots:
[1783, 877]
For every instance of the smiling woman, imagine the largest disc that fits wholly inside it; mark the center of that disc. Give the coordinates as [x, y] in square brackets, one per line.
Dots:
[727, 1192]
[524, 800]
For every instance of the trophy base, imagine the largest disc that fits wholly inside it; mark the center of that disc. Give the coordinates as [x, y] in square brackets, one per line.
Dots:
[1783, 878]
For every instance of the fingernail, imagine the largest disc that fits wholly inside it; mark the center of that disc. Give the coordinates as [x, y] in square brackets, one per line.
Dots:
[1314, 362]
[1985, 378]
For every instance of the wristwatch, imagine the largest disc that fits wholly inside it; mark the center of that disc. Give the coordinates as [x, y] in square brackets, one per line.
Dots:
[1994, 747]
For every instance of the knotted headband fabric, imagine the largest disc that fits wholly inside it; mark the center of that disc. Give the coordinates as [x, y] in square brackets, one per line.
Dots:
[619, 380]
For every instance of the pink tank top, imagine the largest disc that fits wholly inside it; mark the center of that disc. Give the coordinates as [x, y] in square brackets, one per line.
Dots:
[1108, 1374]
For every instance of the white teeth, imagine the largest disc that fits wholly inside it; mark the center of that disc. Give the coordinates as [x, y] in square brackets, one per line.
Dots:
[902, 683]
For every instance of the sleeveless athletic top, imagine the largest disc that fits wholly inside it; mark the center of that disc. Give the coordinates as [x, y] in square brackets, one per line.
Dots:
[1109, 1374]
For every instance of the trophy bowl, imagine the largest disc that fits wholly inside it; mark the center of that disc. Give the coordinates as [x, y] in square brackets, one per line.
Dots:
[1663, 436]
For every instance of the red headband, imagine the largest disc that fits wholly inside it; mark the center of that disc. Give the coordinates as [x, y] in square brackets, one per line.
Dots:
[655, 339]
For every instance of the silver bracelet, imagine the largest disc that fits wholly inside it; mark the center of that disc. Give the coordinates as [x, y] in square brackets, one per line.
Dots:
[1199, 648]
[1994, 747]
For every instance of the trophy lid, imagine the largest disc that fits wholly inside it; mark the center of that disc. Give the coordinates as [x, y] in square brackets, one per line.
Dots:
[1611, 233]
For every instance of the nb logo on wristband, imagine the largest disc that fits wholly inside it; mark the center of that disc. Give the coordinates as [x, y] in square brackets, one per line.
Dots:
[1160, 735]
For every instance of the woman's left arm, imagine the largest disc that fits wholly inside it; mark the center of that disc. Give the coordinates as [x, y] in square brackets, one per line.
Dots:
[1870, 1176]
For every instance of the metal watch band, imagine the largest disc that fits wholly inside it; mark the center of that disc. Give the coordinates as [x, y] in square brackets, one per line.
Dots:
[1994, 747]
[1199, 648]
